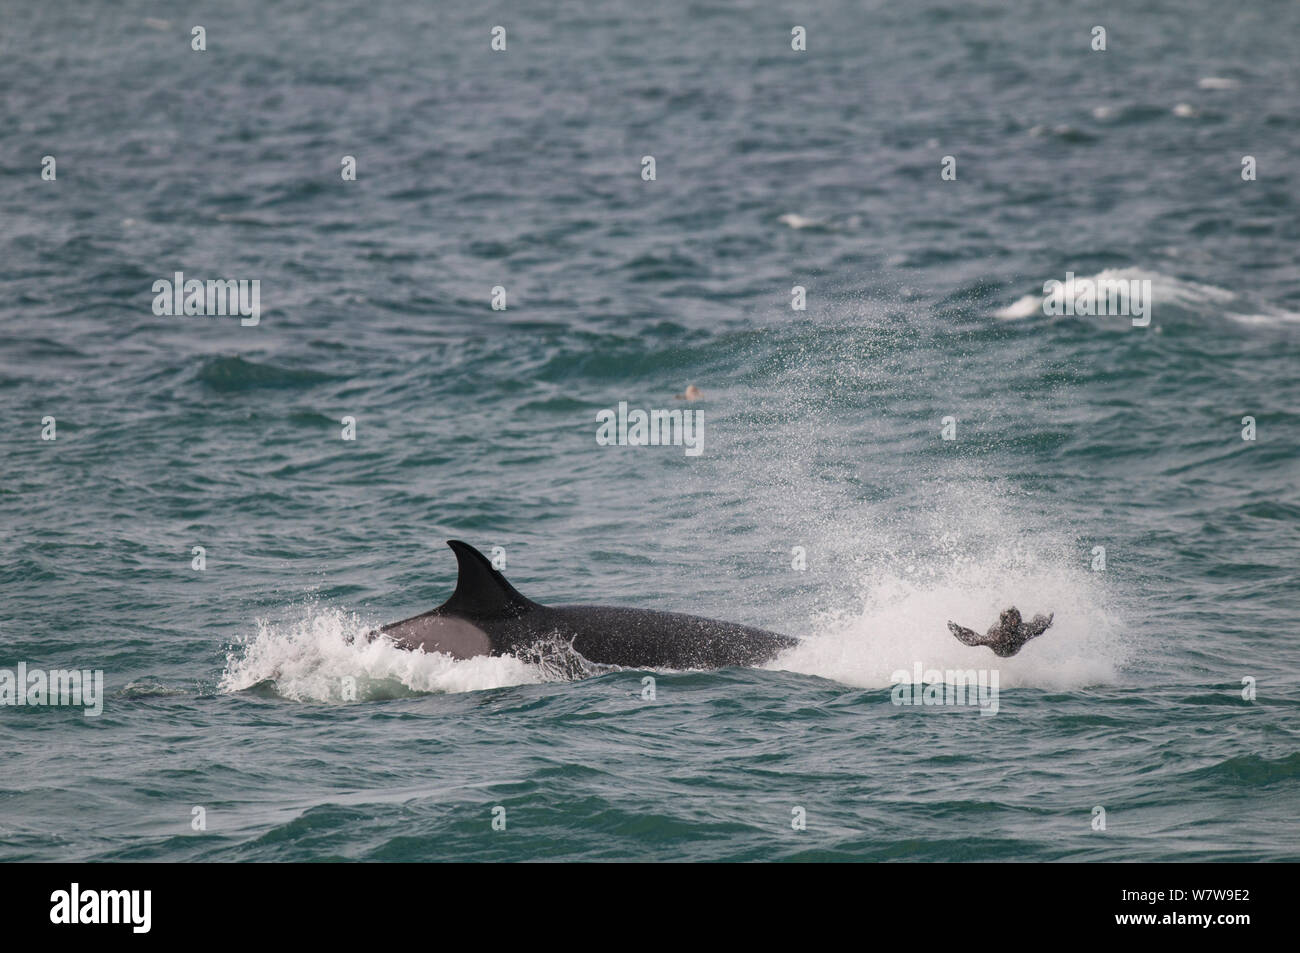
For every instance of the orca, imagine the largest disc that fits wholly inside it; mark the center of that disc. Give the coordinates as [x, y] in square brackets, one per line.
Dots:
[487, 616]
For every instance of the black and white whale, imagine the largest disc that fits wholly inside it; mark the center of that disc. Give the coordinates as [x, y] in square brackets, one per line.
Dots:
[486, 616]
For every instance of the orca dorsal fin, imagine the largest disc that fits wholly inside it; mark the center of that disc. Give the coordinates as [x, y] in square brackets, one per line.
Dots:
[481, 591]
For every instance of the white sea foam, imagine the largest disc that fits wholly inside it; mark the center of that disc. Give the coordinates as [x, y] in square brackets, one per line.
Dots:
[1165, 291]
[904, 621]
[1269, 316]
[965, 552]
[310, 659]
[797, 221]
[1025, 307]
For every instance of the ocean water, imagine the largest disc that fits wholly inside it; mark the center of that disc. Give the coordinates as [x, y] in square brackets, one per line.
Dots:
[223, 687]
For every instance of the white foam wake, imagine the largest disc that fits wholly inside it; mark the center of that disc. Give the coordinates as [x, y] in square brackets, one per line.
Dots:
[313, 658]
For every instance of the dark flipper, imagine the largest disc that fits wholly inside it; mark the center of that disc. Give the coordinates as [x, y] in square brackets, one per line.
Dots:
[966, 635]
[1037, 626]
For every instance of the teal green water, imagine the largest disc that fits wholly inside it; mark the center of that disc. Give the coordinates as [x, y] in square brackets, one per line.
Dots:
[224, 688]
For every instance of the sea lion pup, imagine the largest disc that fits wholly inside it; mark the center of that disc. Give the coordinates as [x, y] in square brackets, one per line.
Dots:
[1007, 637]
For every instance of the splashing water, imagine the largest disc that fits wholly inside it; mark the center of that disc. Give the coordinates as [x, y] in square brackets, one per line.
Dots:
[903, 624]
[324, 654]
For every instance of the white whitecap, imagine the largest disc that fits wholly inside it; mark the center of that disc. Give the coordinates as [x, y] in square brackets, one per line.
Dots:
[313, 658]
[797, 221]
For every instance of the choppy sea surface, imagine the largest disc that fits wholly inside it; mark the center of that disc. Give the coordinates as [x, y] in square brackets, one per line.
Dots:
[1076, 437]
